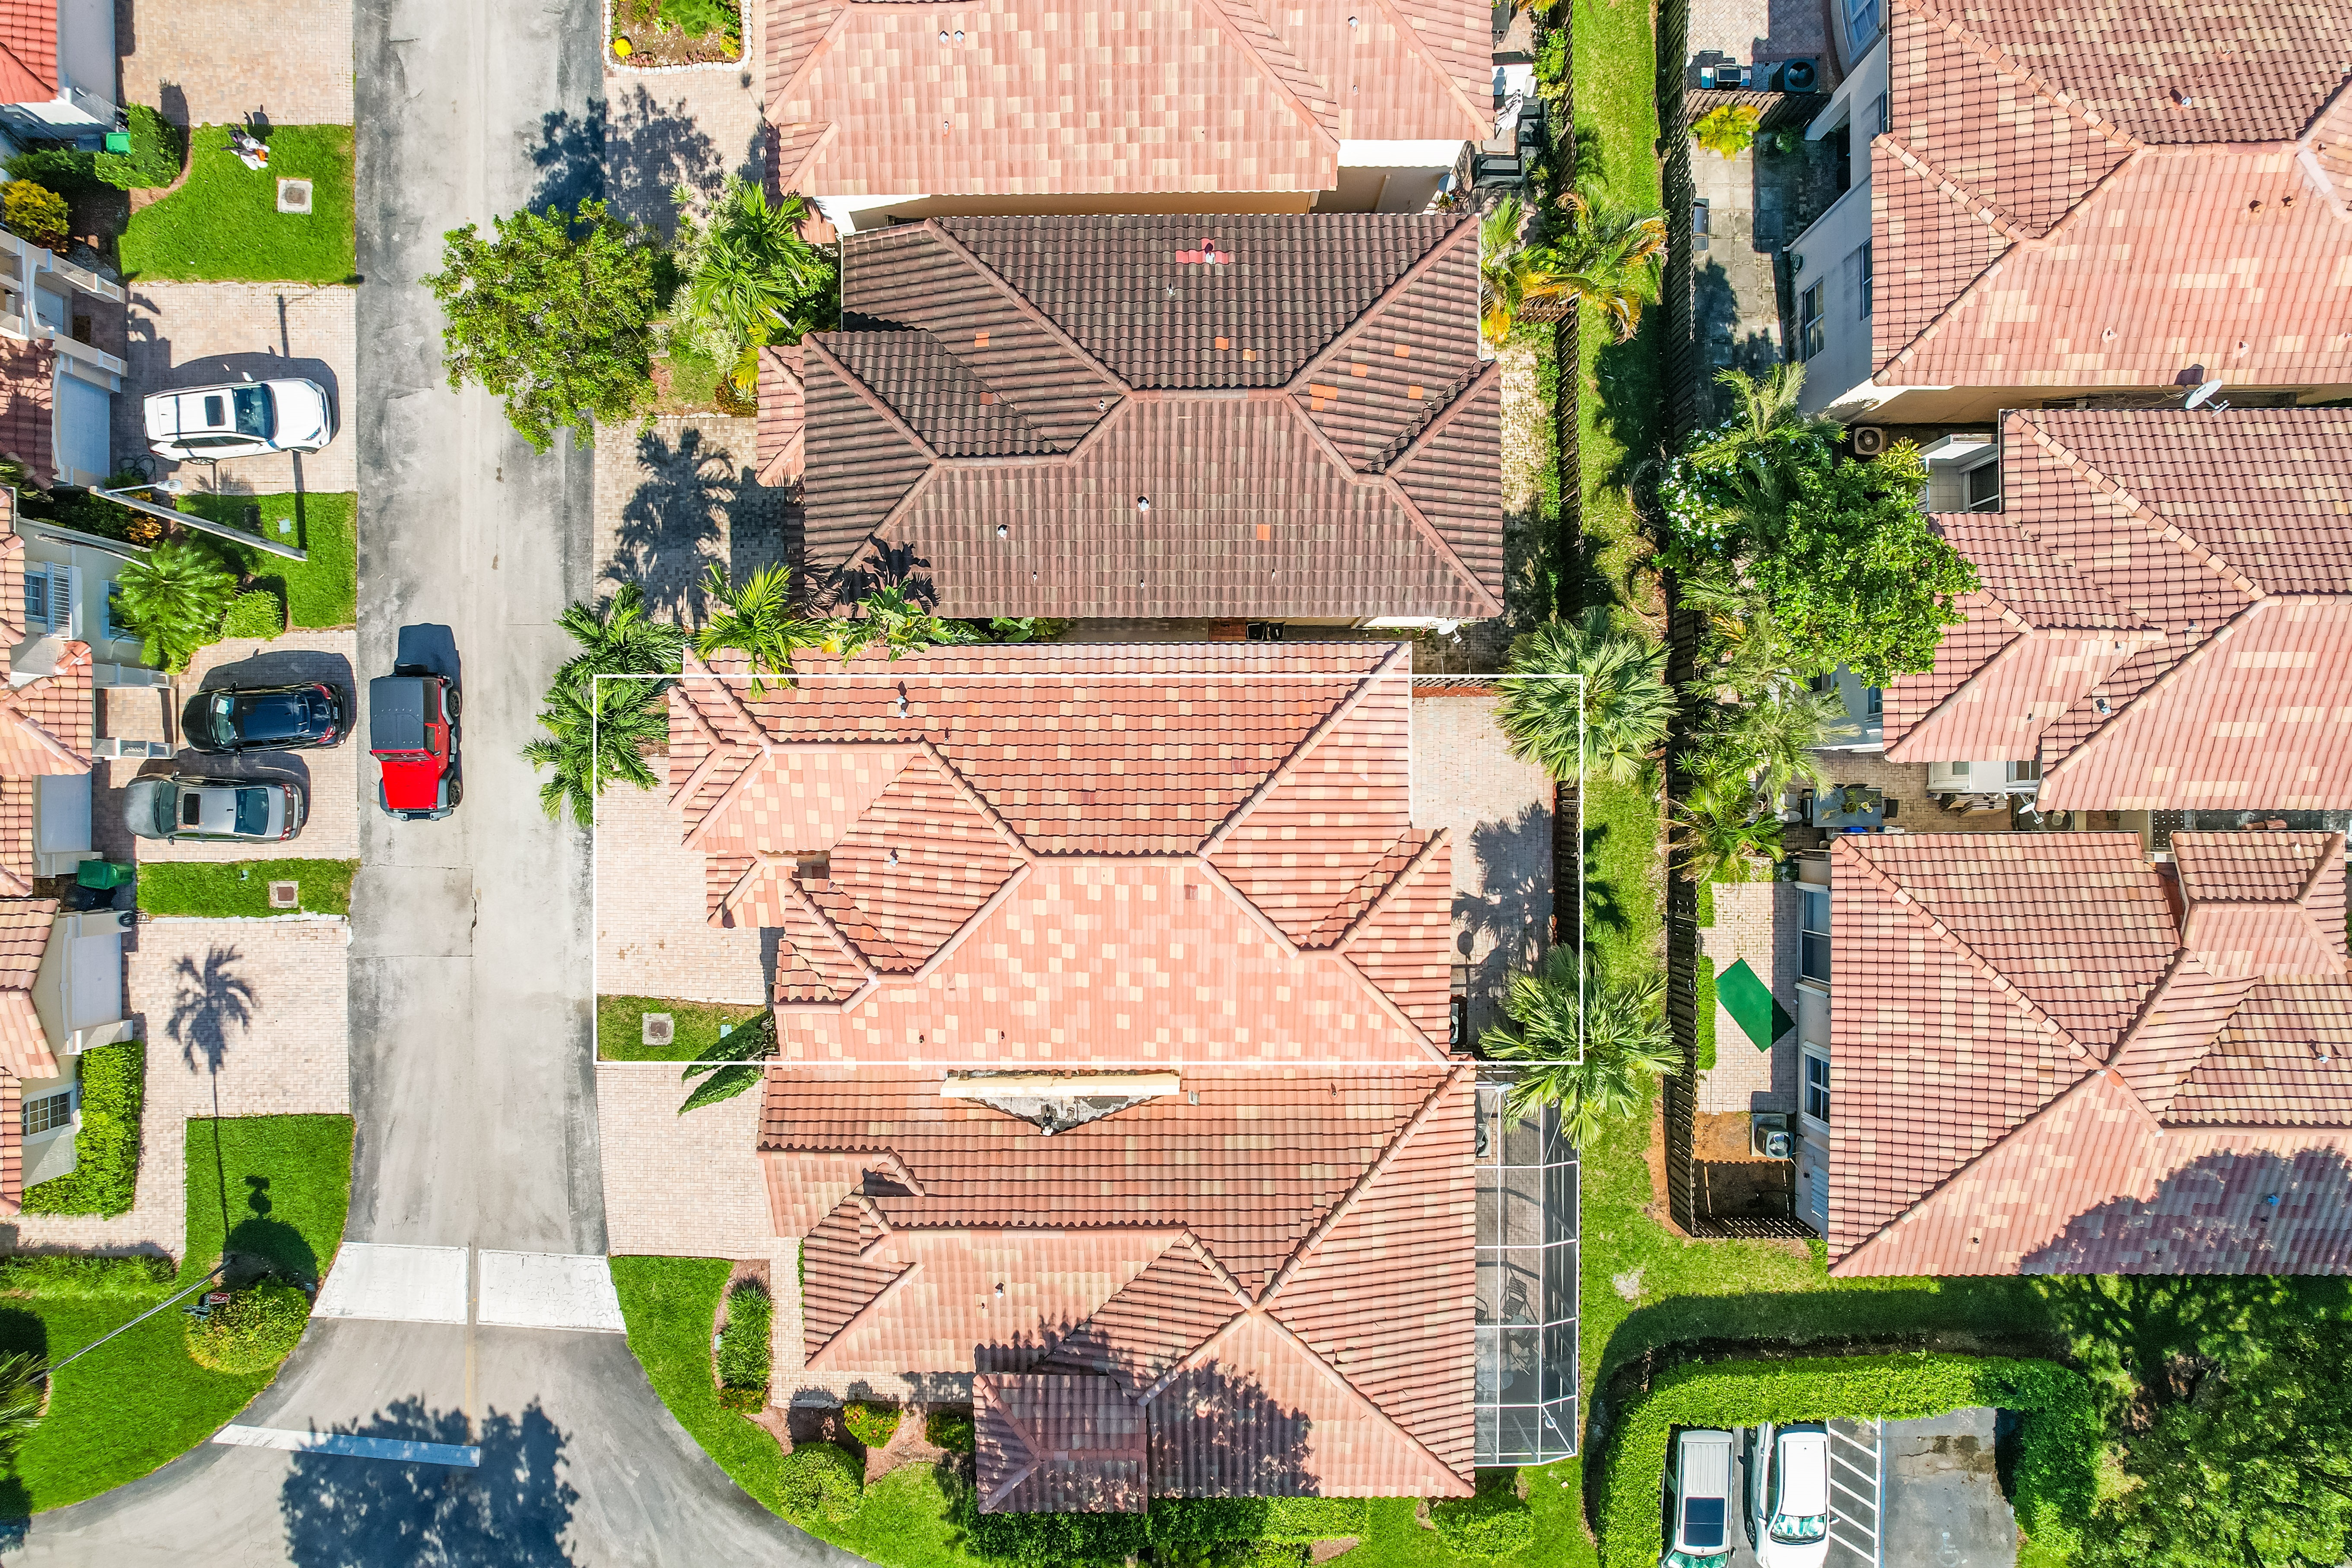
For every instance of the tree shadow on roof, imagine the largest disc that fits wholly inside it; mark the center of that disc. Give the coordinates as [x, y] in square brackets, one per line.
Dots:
[341, 1512]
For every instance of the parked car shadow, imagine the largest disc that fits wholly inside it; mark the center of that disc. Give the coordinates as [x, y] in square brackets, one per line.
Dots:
[341, 1512]
[261, 366]
[430, 647]
[284, 667]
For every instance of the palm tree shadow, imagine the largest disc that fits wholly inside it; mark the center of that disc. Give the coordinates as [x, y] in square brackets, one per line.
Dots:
[513, 1509]
[210, 998]
[1602, 907]
[1512, 909]
[671, 529]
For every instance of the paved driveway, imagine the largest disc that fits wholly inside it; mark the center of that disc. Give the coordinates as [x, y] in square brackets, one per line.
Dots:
[1943, 1506]
[212, 62]
[189, 334]
[330, 776]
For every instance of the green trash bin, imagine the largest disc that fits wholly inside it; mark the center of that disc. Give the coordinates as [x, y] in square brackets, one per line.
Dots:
[118, 141]
[104, 874]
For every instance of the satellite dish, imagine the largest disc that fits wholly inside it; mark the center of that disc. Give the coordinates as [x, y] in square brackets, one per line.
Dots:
[2205, 390]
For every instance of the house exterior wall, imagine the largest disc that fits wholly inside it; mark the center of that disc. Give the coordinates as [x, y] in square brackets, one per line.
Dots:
[86, 59]
[93, 565]
[48, 1155]
[78, 992]
[1828, 255]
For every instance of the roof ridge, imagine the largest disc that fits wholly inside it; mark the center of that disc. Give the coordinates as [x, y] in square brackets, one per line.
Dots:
[866, 394]
[809, 906]
[1288, 74]
[1918, 914]
[2171, 672]
[1314, 1240]
[2105, 484]
[1387, 483]
[1025, 306]
[879, 337]
[1312, 942]
[1308, 742]
[1354, 928]
[2183, 962]
[1427, 262]
[970, 795]
[1959, 193]
[1480, 120]
[2331, 851]
[1443, 415]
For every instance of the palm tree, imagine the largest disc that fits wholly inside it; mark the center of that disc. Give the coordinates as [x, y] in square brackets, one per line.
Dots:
[756, 619]
[1607, 258]
[174, 599]
[1779, 731]
[598, 731]
[754, 271]
[1721, 835]
[895, 619]
[617, 638]
[1592, 1062]
[1623, 700]
[1758, 451]
[24, 1378]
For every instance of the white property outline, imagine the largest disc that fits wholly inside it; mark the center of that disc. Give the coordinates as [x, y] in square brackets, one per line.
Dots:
[889, 677]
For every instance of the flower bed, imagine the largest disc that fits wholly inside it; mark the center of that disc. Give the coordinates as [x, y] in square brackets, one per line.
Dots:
[654, 35]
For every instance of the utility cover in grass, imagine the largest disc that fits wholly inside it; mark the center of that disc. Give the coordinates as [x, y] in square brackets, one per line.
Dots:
[1752, 1005]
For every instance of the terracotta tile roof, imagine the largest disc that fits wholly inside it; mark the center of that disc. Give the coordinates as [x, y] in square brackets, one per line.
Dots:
[1277, 1268]
[2077, 196]
[11, 580]
[2123, 1148]
[16, 865]
[1215, 862]
[1030, 97]
[783, 415]
[1057, 1444]
[45, 726]
[25, 925]
[2161, 587]
[28, 50]
[1042, 412]
[27, 403]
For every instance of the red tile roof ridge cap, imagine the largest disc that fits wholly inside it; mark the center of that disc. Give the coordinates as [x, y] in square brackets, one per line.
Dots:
[1456, 1077]
[2056, 231]
[2193, 655]
[872, 1306]
[2000, 60]
[810, 907]
[1313, 115]
[1486, 376]
[1908, 902]
[814, 341]
[1022, 304]
[801, 74]
[1960, 194]
[1354, 928]
[2099, 1078]
[1478, 121]
[788, 180]
[741, 784]
[1339, 711]
[2164, 528]
[1383, 1001]
[887, 1158]
[970, 797]
[1429, 261]
[1256, 916]
[724, 683]
[2184, 962]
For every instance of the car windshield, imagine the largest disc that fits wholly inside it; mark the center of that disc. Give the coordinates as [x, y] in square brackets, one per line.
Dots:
[253, 811]
[1796, 1527]
[1703, 1522]
[254, 414]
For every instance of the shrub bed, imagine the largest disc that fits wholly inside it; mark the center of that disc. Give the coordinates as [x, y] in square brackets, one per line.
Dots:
[256, 612]
[105, 1176]
[252, 1331]
[871, 1424]
[1494, 1523]
[744, 1347]
[821, 1481]
[2059, 1439]
[949, 1430]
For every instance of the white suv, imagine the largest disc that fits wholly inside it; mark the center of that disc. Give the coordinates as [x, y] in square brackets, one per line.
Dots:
[241, 419]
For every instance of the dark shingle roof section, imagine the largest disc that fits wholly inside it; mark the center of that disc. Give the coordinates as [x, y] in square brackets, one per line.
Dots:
[1288, 285]
[1297, 398]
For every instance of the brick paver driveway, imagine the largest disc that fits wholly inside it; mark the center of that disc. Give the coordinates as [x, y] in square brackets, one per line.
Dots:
[212, 62]
[189, 334]
[329, 775]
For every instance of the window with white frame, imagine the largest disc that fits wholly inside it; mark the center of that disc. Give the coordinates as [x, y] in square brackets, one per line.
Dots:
[1811, 337]
[1862, 278]
[1813, 941]
[1817, 1085]
[114, 624]
[48, 597]
[49, 1112]
[1862, 20]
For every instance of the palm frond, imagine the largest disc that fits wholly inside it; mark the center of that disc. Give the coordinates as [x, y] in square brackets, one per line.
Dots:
[1622, 700]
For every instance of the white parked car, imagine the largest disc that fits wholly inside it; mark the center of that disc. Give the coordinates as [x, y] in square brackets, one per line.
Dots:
[1789, 1495]
[1698, 1500]
[241, 419]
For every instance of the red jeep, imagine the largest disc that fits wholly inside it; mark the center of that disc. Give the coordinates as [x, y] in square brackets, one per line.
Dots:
[413, 734]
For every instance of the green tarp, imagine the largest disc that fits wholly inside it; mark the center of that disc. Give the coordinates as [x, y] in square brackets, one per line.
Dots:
[1749, 1002]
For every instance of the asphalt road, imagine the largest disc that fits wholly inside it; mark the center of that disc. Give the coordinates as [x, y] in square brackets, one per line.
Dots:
[469, 975]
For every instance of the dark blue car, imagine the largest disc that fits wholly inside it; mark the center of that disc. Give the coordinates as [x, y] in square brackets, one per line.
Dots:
[264, 718]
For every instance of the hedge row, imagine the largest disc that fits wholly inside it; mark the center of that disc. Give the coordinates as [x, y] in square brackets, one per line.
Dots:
[2059, 1435]
[1172, 1524]
[105, 1178]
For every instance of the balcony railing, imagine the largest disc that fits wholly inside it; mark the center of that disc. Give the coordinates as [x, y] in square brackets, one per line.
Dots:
[24, 264]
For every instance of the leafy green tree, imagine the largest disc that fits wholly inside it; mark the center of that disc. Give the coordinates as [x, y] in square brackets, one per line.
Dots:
[741, 1053]
[552, 315]
[893, 620]
[1595, 1074]
[1721, 834]
[1732, 482]
[23, 1379]
[1623, 700]
[1768, 741]
[2253, 1466]
[748, 278]
[758, 619]
[174, 599]
[597, 731]
[1855, 573]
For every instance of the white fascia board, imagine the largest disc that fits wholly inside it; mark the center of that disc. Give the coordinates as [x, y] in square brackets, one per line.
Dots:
[1398, 154]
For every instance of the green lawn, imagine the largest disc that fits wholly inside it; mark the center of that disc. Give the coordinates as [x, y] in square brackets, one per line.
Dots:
[223, 225]
[139, 1401]
[620, 1027]
[319, 593]
[241, 886]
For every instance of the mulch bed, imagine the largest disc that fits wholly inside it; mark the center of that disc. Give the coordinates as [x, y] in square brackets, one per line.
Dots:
[652, 44]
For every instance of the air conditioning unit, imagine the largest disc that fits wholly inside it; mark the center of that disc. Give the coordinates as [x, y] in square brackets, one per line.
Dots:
[1801, 75]
[1869, 440]
[1769, 1137]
